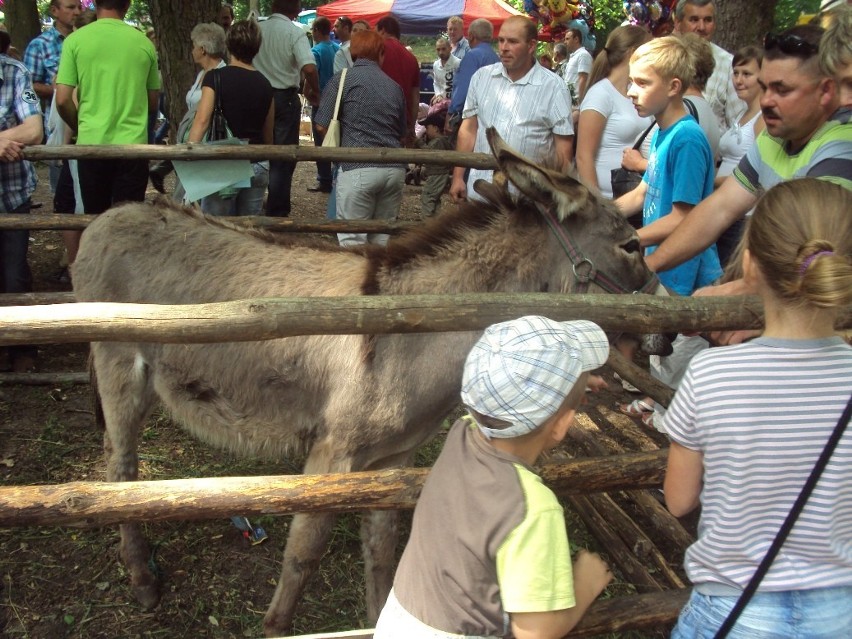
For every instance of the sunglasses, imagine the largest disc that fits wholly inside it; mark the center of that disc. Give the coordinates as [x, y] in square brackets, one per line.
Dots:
[789, 44]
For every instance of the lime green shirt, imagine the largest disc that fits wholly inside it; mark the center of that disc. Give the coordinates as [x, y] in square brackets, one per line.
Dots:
[113, 66]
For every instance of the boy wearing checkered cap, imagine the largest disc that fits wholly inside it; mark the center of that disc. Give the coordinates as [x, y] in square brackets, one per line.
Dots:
[488, 554]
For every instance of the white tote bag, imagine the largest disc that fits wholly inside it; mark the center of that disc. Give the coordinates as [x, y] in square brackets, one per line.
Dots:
[332, 135]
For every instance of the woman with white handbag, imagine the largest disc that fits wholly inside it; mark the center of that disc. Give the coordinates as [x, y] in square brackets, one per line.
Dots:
[365, 109]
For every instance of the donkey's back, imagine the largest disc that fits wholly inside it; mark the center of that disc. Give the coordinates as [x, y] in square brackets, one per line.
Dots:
[191, 258]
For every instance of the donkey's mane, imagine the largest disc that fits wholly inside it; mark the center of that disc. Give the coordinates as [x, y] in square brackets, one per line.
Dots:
[270, 237]
[431, 237]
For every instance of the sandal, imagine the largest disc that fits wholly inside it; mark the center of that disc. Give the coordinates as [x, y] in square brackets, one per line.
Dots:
[649, 421]
[637, 408]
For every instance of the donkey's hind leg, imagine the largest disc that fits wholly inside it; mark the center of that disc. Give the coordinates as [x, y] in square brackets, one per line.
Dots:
[124, 390]
[306, 544]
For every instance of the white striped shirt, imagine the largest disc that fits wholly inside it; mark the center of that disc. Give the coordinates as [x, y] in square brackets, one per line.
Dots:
[761, 414]
[526, 113]
[720, 91]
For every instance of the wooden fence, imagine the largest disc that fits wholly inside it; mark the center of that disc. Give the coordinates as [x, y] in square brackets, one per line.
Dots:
[583, 481]
[44, 318]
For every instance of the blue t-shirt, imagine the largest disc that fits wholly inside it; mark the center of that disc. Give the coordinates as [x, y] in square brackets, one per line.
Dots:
[680, 169]
[324, 53]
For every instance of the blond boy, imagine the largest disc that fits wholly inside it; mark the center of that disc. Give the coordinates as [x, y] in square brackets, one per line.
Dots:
[680, 166]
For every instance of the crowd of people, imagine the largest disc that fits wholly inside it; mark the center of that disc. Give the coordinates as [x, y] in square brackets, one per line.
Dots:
[743, 165]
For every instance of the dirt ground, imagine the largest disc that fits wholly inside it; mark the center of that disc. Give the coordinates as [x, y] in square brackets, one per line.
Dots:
[63, 582]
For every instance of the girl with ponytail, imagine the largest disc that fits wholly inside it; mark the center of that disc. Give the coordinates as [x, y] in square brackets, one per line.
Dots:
[749, 422]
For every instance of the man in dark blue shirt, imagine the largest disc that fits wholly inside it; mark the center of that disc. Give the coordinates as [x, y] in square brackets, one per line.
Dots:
[481, 54]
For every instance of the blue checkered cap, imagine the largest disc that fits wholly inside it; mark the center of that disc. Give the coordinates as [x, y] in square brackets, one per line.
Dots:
[521, 371]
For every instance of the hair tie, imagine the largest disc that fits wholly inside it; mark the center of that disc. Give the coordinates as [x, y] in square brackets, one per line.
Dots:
[808, 260]
[606, 50]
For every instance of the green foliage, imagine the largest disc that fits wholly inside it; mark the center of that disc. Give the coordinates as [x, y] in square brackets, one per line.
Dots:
[787, 12]
[610, 13]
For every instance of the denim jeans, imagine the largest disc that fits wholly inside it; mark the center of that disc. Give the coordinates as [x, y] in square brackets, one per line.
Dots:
[15, 274]
[246, 202]
[824, 613]
[288, 115]
[324, 175]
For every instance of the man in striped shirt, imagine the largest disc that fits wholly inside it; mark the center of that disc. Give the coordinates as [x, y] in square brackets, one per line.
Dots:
[527, 104]
[806, 135]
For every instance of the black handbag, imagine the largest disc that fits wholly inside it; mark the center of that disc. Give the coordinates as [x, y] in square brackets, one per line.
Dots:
[218, 129]
[624, 180]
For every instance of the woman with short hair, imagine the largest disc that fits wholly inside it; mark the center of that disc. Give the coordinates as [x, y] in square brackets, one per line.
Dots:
[372, 114]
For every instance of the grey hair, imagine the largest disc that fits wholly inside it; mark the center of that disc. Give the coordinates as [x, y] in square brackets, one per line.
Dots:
[481, 29]
[681, 6]
[561, 49]
[210, 37]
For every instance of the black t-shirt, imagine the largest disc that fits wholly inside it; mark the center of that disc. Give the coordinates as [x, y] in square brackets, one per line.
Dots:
[246, 98]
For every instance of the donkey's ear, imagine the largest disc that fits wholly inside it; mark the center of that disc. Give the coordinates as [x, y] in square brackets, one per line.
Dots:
[562, 194]
[496, 192]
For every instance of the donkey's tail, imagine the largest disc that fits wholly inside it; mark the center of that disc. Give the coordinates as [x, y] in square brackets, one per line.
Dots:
[97, 406]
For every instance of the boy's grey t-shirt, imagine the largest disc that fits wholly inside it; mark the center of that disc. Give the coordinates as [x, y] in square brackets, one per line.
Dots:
[484, 520]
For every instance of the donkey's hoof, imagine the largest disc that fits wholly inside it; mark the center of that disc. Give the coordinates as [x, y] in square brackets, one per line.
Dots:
[147, 594]
[276, 625]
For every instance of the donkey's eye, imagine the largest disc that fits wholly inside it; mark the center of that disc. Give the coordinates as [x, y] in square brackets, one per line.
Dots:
[632, 246]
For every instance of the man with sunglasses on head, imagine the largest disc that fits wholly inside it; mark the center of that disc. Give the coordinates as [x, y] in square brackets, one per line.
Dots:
[807, 134]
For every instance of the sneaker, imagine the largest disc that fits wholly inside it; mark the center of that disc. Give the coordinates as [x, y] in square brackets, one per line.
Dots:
[157, 181]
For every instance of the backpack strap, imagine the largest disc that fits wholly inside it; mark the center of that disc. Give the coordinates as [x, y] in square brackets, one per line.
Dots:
[690, 106]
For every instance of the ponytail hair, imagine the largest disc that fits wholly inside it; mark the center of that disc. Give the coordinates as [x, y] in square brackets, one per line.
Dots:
[801, 237]
[619, 45]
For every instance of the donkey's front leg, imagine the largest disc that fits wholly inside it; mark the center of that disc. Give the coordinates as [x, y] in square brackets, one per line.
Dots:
[379, 537]
[306, 544]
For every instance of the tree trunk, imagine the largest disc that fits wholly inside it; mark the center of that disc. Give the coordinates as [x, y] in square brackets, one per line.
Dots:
[173, 22]
[739, 24]
[22, 22]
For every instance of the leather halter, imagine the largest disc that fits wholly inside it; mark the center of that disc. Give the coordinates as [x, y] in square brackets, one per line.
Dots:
[585, 272]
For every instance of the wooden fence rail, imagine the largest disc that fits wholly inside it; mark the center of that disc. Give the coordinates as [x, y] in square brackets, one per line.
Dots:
[262, 319]
[14, 221]
[258, 152]
[94, 504]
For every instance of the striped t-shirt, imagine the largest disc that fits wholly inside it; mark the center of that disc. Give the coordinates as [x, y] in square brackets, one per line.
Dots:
[761, 413]
[827, 156]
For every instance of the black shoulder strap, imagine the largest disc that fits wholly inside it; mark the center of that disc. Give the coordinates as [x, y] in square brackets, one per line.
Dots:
[691, 108]
[643, 136]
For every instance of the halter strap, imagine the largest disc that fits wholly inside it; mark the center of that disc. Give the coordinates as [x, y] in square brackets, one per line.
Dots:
[585, 271]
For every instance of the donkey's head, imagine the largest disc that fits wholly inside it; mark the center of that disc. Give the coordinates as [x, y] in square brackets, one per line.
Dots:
[602, 248]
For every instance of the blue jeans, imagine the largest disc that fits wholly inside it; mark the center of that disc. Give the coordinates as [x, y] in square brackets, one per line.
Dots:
[15, 274]
[288, 115]
[246, 202]
[324, 175]
[823, 613]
